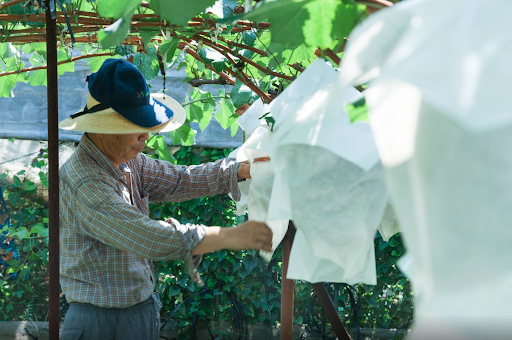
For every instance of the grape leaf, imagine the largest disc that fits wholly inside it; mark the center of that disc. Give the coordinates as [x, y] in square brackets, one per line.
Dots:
[225, 113]
[184, 135]
[115, 33]
[284, 31]
[197, 113]
[146, 36]
[317, 29]
[358, 111]
[179, 12]
[147, 63]
[117, 8]
[240, 94]
[168, 49]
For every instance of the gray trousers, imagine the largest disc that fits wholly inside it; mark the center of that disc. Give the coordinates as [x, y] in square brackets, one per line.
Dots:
[89, 322]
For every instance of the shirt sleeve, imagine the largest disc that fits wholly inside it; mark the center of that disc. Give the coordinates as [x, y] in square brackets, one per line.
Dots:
[103, 215]
[167, 182]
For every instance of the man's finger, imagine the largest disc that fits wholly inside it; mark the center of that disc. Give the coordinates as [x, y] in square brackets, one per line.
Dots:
[261, 159]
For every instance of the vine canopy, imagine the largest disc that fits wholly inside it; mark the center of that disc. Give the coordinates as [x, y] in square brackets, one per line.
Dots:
[259, 47]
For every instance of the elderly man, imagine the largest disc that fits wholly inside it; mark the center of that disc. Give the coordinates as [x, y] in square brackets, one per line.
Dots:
[107, 239]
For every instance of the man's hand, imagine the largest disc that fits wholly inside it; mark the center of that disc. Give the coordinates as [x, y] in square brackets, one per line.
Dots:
[244, 169]
[250, 235]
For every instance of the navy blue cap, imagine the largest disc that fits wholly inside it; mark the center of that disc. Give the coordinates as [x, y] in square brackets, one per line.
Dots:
[121, 86]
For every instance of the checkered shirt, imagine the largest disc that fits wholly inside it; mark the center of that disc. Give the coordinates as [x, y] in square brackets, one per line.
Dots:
[107, 240]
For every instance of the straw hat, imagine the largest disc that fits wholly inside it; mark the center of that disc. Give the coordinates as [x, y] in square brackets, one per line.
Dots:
[119, 102]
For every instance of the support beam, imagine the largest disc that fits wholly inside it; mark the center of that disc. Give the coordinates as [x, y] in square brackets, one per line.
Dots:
[330, 311]
[287, 287]
[53, 174]
[287, 296]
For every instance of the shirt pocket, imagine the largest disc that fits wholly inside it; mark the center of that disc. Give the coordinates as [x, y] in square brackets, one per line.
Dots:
[144, 195]
[144, 201]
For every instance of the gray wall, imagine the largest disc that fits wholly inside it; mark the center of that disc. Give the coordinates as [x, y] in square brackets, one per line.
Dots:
[25, 115]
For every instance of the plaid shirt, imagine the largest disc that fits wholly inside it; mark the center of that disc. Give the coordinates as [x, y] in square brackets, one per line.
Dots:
[107, 240]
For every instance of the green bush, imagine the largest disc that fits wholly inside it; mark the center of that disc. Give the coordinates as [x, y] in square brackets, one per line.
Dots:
[238, 284]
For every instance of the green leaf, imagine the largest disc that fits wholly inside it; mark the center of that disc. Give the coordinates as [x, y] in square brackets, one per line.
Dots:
[147, 63]
[173, 290]
[317, 29]
[29, 186]
[163, 150]
[347, 17]
[67, 67]
[21, 233]
[115, 33]
[241, 94]
[96, 62]
[195, 113]
[287, 19]
[7, 50]
[214, 58]
[40, 229]
[146, 36]
[37, 78]
[249, 38]
[358, 111]
[16, 181]
[179, 12]
[234, 128]
[40, 48]
[225, 113]
[168, 49]
[184, 135]
[117, 8]
[250, 263]
[8, 83]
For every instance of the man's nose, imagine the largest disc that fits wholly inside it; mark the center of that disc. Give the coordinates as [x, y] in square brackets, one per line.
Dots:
[143, 136]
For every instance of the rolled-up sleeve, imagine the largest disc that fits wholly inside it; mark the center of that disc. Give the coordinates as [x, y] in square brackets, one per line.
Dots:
[103, 215]
[167, 182]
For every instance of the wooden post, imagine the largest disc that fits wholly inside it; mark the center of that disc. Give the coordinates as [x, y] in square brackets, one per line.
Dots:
[53, 174]
[287, 296]
[287, 288]
[330, 311]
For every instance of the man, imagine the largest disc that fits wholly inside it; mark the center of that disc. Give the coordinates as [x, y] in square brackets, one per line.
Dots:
[107, 239]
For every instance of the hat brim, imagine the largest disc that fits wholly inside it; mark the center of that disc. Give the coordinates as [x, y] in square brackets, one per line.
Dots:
[108, 121]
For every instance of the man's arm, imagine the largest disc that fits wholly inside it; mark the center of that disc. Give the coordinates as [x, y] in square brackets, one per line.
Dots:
[248, 235]
[167, 182]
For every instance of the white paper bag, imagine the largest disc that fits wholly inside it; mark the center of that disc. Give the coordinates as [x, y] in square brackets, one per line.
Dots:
[443, 128]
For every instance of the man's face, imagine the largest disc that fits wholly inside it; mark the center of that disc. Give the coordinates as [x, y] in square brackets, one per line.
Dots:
[120, 148]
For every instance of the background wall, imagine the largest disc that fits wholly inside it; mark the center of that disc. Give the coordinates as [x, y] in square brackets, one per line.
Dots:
[25, 115]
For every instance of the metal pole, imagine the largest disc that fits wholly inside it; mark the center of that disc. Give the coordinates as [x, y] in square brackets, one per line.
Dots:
[53, 173]
[287, 287]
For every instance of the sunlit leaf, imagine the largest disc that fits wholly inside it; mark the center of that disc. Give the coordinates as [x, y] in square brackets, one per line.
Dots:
[184, 135]
[358, 111]
[179, 12]
[168, 49]
[225, 113]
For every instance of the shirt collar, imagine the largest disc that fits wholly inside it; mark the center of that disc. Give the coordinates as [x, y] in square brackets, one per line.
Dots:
[88, 146]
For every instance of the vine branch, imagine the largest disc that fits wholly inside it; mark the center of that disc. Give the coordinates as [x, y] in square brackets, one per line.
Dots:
[59, 63]
[10, 3]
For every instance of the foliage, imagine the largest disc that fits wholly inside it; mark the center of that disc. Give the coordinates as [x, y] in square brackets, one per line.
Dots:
[259, 61]
[24, 281]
